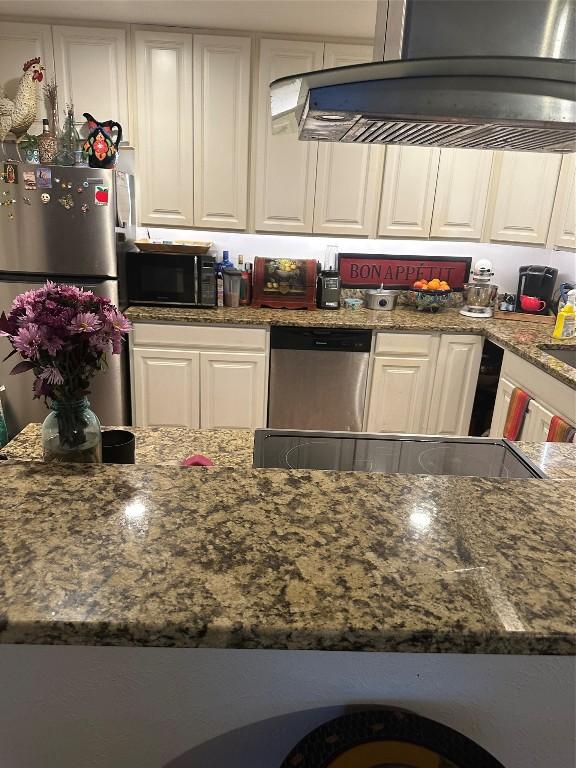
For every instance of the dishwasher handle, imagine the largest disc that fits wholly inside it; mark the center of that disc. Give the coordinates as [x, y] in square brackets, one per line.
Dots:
[320, 339]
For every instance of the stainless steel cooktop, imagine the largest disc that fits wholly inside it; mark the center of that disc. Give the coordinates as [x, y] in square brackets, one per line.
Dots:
[391, 454]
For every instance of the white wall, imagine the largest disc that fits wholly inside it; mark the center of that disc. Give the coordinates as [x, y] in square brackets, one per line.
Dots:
[505, 258]
[74, 707]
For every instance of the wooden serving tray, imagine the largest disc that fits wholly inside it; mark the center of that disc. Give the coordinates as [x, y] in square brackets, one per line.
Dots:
[524, 317]
[178, 247]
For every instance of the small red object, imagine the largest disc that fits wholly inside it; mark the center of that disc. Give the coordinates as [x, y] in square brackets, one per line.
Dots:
[197, 460]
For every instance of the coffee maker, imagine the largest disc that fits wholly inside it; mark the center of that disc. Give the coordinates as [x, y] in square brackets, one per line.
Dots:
[539, 281]
[328, 289]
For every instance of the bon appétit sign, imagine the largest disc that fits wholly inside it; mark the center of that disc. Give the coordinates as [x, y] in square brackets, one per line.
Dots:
[361, 270]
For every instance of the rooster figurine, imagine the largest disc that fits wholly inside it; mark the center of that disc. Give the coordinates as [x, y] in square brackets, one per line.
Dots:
[17, 116]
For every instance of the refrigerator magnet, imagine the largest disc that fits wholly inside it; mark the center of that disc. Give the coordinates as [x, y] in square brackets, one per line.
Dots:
[66, 201]
[85, 208]
[29, 179]
[45, 197]
[44, 178]
[100, 195]
[10, 173]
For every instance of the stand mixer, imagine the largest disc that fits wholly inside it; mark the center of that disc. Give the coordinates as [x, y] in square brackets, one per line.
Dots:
[479, 294]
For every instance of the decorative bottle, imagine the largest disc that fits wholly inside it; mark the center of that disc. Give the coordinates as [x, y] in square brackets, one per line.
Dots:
[47, 145]
[69, 140]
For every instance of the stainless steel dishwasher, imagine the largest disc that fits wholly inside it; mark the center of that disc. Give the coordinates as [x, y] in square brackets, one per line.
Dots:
[318, 378]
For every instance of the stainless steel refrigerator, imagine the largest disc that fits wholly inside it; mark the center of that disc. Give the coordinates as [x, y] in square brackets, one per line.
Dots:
[59, 223]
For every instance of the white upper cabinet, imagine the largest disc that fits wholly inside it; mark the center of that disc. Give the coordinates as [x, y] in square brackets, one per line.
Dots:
[455, 384]
[563, 227]
[523, 195]
[408, 191]
[221, 124]
[18, 44]
[165, 142]
[348, 177]
[91, 73]
[285, 168]
[461, 193]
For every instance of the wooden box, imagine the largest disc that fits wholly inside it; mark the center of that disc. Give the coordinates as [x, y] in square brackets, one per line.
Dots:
[284, 283]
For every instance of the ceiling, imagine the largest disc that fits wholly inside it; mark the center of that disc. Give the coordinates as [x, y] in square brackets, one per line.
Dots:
[343, 18]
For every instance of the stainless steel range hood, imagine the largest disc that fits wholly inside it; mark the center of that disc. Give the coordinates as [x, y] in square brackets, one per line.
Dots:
[448, 80]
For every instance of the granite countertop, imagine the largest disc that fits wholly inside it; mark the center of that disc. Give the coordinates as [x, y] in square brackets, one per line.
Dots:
[241, 558]
[233, 448]
[525, 339]
[158, 556]
[159, 445]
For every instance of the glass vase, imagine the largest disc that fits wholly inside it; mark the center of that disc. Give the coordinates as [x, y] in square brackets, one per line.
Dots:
[71, 433]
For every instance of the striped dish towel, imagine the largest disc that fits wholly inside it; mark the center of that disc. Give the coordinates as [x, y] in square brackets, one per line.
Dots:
[516, 413]
[560, 431]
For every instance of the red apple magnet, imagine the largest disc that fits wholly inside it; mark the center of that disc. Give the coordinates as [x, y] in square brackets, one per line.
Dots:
[101, 195]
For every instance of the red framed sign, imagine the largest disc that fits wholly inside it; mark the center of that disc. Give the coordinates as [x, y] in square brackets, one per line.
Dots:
[371, 270]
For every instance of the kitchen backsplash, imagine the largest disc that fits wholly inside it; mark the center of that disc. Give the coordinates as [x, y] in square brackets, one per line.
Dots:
[506, 259]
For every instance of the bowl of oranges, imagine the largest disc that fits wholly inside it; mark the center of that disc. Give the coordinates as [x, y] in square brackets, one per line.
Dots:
[431, 295]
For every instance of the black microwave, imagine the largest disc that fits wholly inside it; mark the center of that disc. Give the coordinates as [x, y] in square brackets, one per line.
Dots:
[173, 279]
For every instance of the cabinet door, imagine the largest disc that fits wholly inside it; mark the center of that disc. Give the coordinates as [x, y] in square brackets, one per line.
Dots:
[461, 193]
[221, 121]
[164, 98]
[563, 227]
[91, 73]
[503, 395]
[399, 394]
[524, 186]
[233, 386]
[408, 191]
[19, 43]
[537, 423]
[166, 387]
[455, 384]
[349, 177]
[285, 167]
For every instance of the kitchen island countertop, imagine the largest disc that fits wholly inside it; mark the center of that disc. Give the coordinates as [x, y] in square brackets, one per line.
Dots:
[524, 339]
[233, 448]
[231, 557]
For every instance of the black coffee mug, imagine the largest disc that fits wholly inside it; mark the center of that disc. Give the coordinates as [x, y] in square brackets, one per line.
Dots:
[118, 446]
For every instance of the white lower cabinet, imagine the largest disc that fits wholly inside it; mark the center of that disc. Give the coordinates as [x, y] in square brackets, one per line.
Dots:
[200, 377]
[233, 390]
[401, 383]
[454, 384]
[166, 387]
[501, 406]
[423, 383]
[537, 423]
[549, 397]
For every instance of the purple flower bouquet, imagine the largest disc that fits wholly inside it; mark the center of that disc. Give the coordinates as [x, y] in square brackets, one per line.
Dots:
[64, 334]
